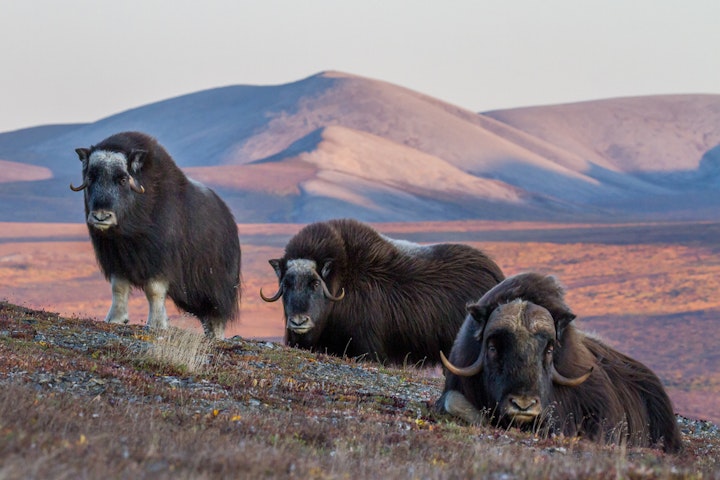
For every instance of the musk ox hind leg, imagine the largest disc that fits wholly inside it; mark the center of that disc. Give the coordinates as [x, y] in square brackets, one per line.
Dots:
[214, 327]
[156, 291]
[118, 312]
[455, 403]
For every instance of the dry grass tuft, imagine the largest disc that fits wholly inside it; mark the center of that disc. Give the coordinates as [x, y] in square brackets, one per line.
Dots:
[185, 350]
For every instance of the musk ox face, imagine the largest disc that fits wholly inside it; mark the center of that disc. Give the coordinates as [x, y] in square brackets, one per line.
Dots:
[110, 181]
[516, 362]
[306, 297]
[518, 344]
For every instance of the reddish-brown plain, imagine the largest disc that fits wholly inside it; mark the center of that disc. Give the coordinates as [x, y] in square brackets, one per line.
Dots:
[654, 300]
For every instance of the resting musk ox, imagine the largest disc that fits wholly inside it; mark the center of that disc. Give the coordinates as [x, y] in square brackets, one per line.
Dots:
[153, 228]
[347, 290]
[519, 360]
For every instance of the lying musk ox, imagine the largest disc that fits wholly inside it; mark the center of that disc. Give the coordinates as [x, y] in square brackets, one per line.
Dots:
[519, 360]
[347, 290]
[153, 228]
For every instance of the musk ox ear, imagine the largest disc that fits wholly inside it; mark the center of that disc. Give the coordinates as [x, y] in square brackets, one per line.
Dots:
[275, 263]
[479, 312]
[562, 320]
[83, 154]
[326, 269]
[136, 160]
[552, 297]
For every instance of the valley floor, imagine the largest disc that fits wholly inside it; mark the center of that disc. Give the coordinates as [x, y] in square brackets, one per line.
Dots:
[650, 290]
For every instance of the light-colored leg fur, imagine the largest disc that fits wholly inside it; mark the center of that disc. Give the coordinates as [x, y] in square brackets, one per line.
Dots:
[156, 291]
[118, 312]
[456, 404]
[214, 328]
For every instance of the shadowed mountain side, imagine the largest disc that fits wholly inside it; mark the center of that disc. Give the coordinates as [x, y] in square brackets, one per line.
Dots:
[709, 168]
[18, 144]
[44, 200]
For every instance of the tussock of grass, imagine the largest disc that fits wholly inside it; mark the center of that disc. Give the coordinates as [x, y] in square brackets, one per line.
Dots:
[188, 351]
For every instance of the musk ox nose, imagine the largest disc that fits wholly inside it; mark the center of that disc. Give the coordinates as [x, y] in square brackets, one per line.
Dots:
[300, 323]
[524, 403]
[523, 408]
[102, 219]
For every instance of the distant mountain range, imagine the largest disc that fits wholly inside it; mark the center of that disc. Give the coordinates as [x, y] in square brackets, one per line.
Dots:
[335, 145]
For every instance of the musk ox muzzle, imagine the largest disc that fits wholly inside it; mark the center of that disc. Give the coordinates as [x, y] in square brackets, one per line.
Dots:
[102, 219]
[300, 324]
[521, 409]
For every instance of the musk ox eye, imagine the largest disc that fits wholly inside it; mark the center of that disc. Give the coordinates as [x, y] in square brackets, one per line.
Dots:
[123, 181]
[315, 284]
[549, 351]
[492, 350]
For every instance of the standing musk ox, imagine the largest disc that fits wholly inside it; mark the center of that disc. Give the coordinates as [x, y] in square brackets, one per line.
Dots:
[347, 290]
[519, 360]
[153, 228]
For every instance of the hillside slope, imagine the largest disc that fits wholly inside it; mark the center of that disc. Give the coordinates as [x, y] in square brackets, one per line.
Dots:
[85, 399]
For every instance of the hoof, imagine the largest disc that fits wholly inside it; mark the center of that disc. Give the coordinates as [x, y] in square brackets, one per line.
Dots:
[122, 321]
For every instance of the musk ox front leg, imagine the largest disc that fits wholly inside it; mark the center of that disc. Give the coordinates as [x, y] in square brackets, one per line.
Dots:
[455, 403]
[118, 312]
[156, 291]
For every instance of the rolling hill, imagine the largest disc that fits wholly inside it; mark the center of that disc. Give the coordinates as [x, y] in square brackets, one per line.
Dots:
[335, 145]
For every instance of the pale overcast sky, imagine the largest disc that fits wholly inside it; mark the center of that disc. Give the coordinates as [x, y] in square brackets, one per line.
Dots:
[82, 60]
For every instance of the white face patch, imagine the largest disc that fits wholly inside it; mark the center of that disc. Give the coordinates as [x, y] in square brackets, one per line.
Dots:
[106, 159]
[301, 265]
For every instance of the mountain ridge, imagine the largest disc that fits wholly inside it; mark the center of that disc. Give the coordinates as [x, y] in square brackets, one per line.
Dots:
[345, 145]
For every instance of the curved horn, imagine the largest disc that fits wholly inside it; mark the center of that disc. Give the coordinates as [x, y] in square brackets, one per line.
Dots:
[137, 188]
[329, 295]
[560, 379]
[274, 298]
[82, 186]
[473, 369]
